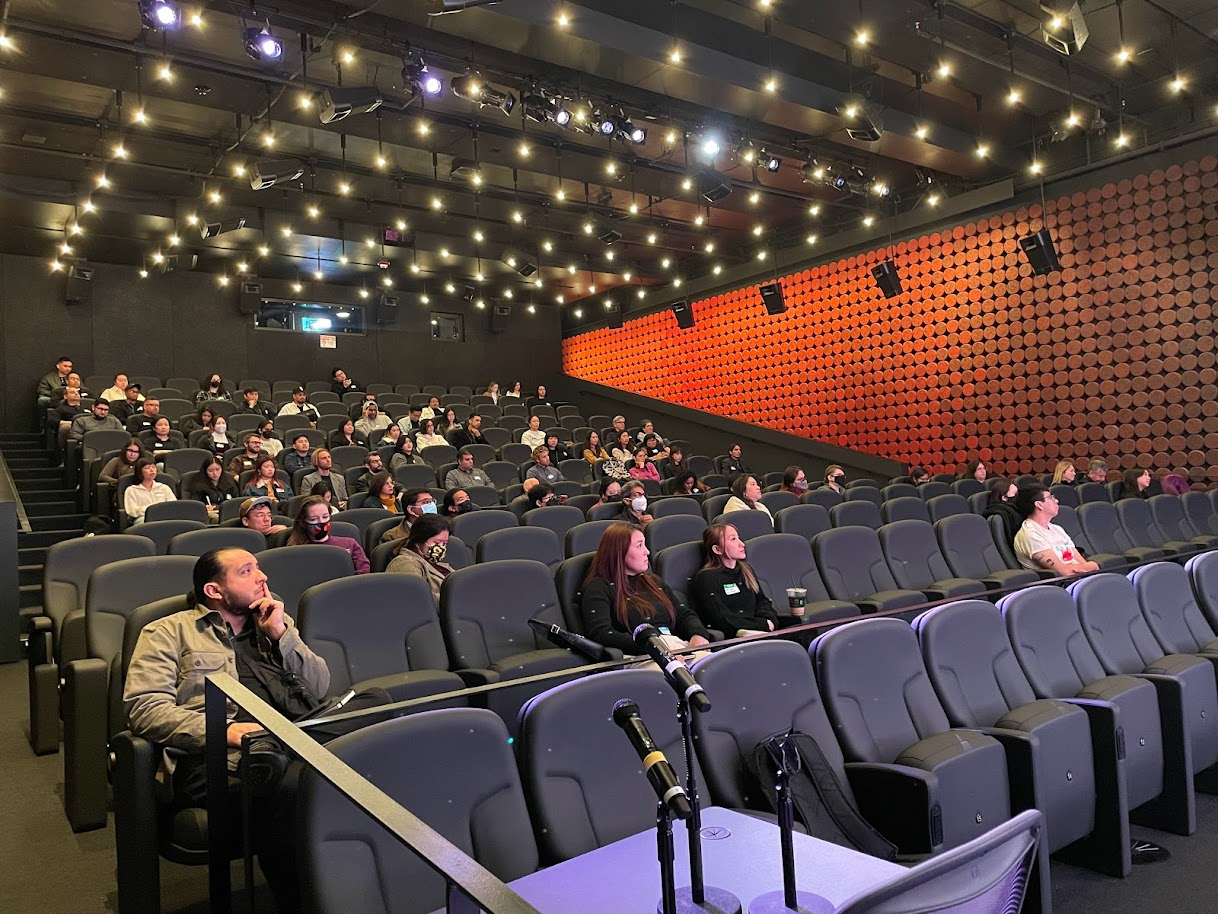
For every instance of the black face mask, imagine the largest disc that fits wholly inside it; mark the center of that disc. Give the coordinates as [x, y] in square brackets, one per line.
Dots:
[617, 497]
[838, 480]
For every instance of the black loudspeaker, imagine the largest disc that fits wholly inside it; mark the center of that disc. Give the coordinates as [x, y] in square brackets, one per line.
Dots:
[887, 278]
[500, 315]
[771, 297]
[249, 296]
[711, 186]
[387, 310]
[684, 315]
[1041, 253]
[615, 318]
[79, 289]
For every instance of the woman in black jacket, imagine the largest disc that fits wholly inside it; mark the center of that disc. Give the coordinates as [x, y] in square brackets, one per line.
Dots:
[212, 486]
[1002, 503]
[726, 591]
[1135, 484]
[620, 594]
[347, 435]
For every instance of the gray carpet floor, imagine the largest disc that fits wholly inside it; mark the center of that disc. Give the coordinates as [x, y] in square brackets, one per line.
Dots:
[45, 869]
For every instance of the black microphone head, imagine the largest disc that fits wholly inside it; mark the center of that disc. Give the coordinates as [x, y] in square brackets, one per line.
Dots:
[623, 710]
[645, 631]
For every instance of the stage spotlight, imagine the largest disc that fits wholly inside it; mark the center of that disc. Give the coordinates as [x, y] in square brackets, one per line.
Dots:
[537, 107]
[261, 45]
[861, 123]
[266, 173]
[619, 127]
[441, 7]
[769, 161]
[471, 87]
[747, 154]
[339, 102]
[159, 15]
[1065, 32]
[604, 233]
[416, 77]
[710, 146]
[466, 170]
[212, 229]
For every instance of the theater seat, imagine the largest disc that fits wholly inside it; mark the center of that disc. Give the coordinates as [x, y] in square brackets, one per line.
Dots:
[748, 524]
[537, 543]
[291, 570]
[802, 520]
[1171, 611]
[1139, 524]
[943, 506]
[970, 552]
[916, 563]
[904, 508]
[782, 560]
[852, 565]
[669, 531]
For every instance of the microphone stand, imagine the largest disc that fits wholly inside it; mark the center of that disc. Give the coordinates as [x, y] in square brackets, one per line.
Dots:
[664, 845]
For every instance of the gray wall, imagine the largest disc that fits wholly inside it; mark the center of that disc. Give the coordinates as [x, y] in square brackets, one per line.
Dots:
[184, 324]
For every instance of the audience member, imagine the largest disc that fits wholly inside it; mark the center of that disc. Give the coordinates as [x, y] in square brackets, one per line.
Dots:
[52, 382]
[312, 525]
[634, 504]
[539, 495]
[116, 391]
[623, 448]
[557, 449]
[251, 405]
[641, 466]
[67, 410]
[201, 420]
[243, 460]
[300, 455]
[734, 465]
[619, 426]
[300, 406]
[465, 474]
[382, 493]
[322, 465]
[372, 466]
[592, 448]
[654, 449]
[725, 591]
[835, 479]
[620, 594]
[687, 483]
[422, 553]
[347, 435]
[212, 388]
[533, 436]
[130, 403]
[322, 491]
[428, 437]
[1097, 470]
[492, 391]
[216, 439]
[124, 464]
[412, 422]
[542, 470]
[415, 503]
[433, 409]
[146, 417]
[373, 420]
[161, 439]
[1042, 544]
[649, 428]
[211, 486]
[918, 476]
[389, 437]
[542, 398]
[460, 437]
[745, 495]
[1065, 474]
[674, 466]
[145, 491]
[1175, 484]
[96, 419]
[265, 482]
[457, 501]
[271, 442]
[1002, 503]
[341, 384]
[974, 469]
[403, 454]
[258, 514]
[610, 492]
[794, 481]
[1135, 484]
[514, 391]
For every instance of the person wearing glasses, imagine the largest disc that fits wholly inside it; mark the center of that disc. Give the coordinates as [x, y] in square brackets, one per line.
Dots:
[1042, 545]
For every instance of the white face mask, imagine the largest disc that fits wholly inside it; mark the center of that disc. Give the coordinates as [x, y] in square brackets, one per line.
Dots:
[221, 428]
[639, 503]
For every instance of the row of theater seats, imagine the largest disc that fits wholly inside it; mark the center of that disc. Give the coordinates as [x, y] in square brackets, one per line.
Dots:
[1094, 704]
[282, 387]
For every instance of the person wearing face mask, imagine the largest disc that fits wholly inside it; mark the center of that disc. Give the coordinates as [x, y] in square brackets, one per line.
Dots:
[634, 504]
[415, 503]
[217, 439]
[212, 388]
[312, 525]
[611, 493]
[835, 479]
[423, 551]
[1002, 503]
[794, 481]
[539, 496]
[457, 501]
[918, 476]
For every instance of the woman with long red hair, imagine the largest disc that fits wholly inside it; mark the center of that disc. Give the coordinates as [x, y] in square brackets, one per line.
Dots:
[620, 594]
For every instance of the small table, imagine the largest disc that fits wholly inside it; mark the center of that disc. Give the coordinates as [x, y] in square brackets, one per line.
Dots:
[740, 854]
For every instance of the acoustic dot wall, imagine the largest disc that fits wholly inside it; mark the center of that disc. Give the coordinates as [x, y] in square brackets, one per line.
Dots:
[1113, 357]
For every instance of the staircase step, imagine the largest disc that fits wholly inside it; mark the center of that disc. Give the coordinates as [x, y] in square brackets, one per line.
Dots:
[42, 538]
[48, 508]
[47, 496]
[23, 475]
[41, 485]
[67, 521]
[22, 460]
[30, 555]
[29, 574]
[30, 595]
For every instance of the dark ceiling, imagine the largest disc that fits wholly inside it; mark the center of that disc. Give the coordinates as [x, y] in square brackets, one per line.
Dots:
[168, 119]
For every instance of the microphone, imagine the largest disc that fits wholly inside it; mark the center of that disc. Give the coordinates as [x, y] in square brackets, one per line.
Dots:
[659, 772]
[563, 638]
[647, 638]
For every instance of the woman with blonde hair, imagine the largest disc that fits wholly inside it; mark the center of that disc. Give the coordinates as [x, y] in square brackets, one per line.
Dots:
[1064, 474]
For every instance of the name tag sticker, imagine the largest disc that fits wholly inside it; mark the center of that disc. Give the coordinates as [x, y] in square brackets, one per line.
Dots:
[731, 589]
[664, 630]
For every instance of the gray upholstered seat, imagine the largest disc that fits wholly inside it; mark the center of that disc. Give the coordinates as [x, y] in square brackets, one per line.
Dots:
[748, 524]
[782, 560]
[966, 487]
[466, 787]
[362, 518]
[1065, 495]
[1067, 519]
[473, 526]
[913, 557]
[970, 552]
[777, 501]
[1139, 523]
[538, 543]
[1102, 524]
[1203, 575]
[826, 498]
[669, 531]
[291, 570]
[864, 493]
[677, 566]
[1056, 657]
[1200, 512]
[1053, 767]
[1168, 512]
[1171, 610]
[378, 630]
[802, 520]
[856, 514]
[934, 489]
[198, 542]
[942, 506]
[569, 729]
[569, 582]
[712, 506]
[160, 532]
[852, 566]
[885, 712]
[904, 508]
[177, 510]
[556, 518]
[899, 490]
[665, 507]
[585, 537]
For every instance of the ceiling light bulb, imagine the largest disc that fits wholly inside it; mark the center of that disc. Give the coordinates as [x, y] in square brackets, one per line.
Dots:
[414, 267]
[717, 269]
[945, 69]
[297, 287]
[164, 71]
[140, 117]
[754, 198]
[238, 169]
[479, 276]
[196, 19]
[304, 100]
[710, 247]
[314, 211]
[318, 275]
[1177, 84]
[478, 236]
[158, 257]
[560, 194]
[862, 38]
[537, 282]
[192, 219]
[1072, 119]
[174, 241]
[65, 248]
[983, 150]
[634, 209]
[425, 299]
[571, 268]
[215, 196]
[223, 280]
[1036, 167]
[761, 255]
[370, 242]
[120, 151]
[263, 250]
[548, 246]
[922, 132]
[382, 162]
[671, 137]
[851, 111]
[88, 206]
[364, 293]
[677, 282]
[627, 276]
[592, 290]
[243, 267]
[424, 129]
[609, 255]
[666, 263]
[143, 274]
[268, 139]
[450, 288]
[1013, 97]
[56, 266]
[771, 84]
[932, 199]
[348, 55]
[344, 188]
[386, 281]
[564, 20]
[524, 150]
[103, 181]
[699, 220]
[868, 221]
[400, 225]
[811, 239]
[75, 229]
[5, 42]
[711, 147]
[531, 309]
[1124, 55]
[651, 238]
[1122, 139]
[814, 209]
[444, 252]
[437, 203]
[1056, 23]
[758, 229]
[589, 228]
[611, 167]
[286, 231]
[675, 56]
[687, 184]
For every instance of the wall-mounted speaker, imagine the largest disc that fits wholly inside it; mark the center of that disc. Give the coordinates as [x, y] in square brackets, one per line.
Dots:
[683, 313]
[249, 296]
[500, 315]
[79, 287]
[615, 318]
[711, 185]
[387, 310]
[887, 278]
[771, 297]
[1041, 253]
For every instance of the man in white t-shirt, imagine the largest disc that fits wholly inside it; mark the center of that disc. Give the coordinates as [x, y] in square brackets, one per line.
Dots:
[1040, 544]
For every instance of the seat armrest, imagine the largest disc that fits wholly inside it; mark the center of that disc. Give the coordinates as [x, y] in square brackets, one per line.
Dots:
[475, 677]
[136, 823]
[43, 676]
[85, 765]
[890, 798]
[1019, 748]
[613, 653]
[59, 598]
[40, 631]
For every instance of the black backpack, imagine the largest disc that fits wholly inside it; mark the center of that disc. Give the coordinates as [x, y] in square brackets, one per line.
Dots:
[822, 807]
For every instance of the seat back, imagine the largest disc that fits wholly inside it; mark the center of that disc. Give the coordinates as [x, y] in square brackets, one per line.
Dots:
[966, 487]
[291, 570]
[852, 564]
[970, 663]
[666, 507]
[777, 501]
[913, 555]
[856, 514]
[73, 561]
[712, 506]
[538, 543]
[177, 510]
[991, 873]
[998, 533]
[585, 537]
[934, 489]
[361, 518]
[558, 519]
[826, 498]
[864, 493]
[967, 547]
[1049, 642]
[466, 787]
[677, 566]
[803, 520]
[1170, 609]
[349, 456]
[977, 503]
[905, 508]
[116, 589]
[570, 729]
[372, 625]
[782, 560]
[1200, 513]
[1203, 575]
[198, 542]
[1102, 525]
[473, 526]
[415, 476]
[139, 618]
[1089, 492]
[947, 506]
[1065, 495]
[748, 524]
[1139, 523]
[669, 531]
[876, 689]
[485, 610]
[160, 532]
[569, 581]
[1067, 519]
[899, 490]
[1112, 620]
[186, 459]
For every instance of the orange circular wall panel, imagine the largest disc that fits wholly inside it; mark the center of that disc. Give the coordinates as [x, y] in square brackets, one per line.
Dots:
[1113, 357]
